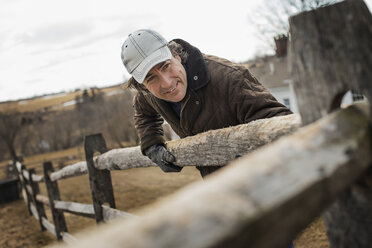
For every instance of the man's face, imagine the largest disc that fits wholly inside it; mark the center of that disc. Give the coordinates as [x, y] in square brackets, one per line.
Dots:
[167, 80]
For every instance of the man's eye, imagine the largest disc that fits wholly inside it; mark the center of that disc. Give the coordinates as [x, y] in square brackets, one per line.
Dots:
[166, 66]
[149, 80]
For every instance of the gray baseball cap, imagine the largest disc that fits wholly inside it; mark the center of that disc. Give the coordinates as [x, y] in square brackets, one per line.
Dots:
[142, 50]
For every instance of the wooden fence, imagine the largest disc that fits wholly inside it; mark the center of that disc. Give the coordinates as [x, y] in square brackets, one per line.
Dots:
[264, 198]
[99, 168]
[100, 182]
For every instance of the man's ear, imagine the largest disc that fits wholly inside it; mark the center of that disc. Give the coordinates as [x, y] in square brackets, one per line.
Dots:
[177, 57]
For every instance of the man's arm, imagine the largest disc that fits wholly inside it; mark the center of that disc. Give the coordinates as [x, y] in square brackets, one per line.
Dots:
[252, 101]
[148, 124]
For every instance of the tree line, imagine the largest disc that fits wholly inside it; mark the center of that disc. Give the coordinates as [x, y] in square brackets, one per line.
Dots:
[29, 133]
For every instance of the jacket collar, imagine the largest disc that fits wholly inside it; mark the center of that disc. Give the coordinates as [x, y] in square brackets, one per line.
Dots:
[197, 71]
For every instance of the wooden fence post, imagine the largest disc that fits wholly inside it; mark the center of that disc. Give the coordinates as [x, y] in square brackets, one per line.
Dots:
[24, 185]
[100, 180]
[39, 206]
[20, 179]
[331, 51]
[53, 194]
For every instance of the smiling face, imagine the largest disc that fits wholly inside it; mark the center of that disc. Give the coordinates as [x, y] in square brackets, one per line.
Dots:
[167, 80]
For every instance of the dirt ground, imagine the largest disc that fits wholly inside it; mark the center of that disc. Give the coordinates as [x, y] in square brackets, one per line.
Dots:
[133, 189]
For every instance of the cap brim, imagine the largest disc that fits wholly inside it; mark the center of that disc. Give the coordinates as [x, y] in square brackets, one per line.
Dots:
[160, 55]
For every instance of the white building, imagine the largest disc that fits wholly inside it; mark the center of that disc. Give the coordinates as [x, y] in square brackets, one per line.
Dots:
[272, 72]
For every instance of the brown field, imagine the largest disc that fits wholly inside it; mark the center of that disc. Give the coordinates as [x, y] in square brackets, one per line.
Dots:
[133, 189]
[51, 102]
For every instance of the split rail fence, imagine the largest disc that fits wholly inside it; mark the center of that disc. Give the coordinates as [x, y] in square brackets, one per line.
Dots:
[99, 168]
[264, 198]
[36, 201]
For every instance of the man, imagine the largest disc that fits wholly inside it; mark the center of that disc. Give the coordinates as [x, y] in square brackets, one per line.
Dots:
[192, 91]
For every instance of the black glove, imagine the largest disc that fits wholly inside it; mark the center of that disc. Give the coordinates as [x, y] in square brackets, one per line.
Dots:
[160, 156]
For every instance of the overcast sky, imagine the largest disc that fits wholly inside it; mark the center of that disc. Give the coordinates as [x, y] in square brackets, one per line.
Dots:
[48, 46]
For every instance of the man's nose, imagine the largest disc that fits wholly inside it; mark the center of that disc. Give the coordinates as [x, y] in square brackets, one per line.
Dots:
[166, 80]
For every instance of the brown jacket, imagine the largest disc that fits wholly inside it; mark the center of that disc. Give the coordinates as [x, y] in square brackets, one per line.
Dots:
[219, 94]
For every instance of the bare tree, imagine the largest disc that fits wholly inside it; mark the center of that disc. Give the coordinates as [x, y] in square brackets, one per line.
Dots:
[117, 113]
[87, 106]
[3, 151]
[10, 127]
[61, 130]
[270, 19]
[27, 135]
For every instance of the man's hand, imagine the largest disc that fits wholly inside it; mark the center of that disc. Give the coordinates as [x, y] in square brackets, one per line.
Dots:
[160, 156]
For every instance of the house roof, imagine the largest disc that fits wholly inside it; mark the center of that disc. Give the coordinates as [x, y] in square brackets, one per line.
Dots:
[271, 71]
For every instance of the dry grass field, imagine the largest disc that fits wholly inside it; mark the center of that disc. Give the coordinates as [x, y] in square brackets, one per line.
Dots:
[50, 102]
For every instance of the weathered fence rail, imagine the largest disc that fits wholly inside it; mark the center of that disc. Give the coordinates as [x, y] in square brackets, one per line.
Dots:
[273, 192]
[234, 141]
[215, 148]
[292, 174]
[276, 191]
